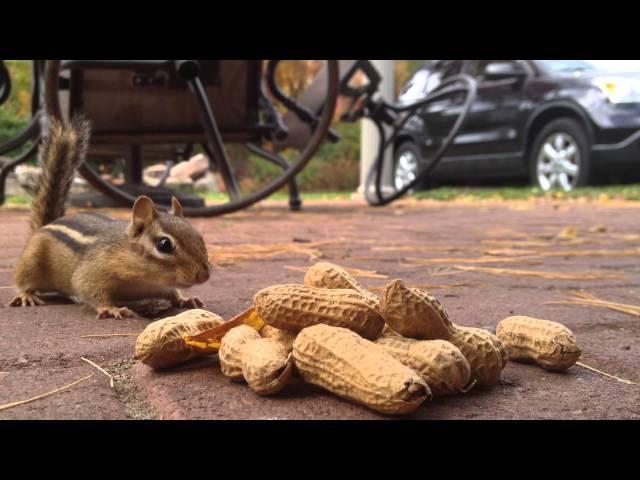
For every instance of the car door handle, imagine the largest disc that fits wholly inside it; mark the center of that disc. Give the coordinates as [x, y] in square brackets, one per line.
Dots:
[452, 111]
[437, 109]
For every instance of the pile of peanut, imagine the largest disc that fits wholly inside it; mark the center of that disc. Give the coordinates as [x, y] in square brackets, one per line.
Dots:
[390, 354]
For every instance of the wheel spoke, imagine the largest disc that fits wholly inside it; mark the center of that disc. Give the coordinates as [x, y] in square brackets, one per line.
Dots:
[549, 151]
[406, 169]
[570, 151]
[544, 182]
[563, 180]
[568, 168]
[544, 167]
[558, 142]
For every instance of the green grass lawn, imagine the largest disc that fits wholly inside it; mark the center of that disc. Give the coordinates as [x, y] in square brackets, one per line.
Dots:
[622, 192]
[17, 200]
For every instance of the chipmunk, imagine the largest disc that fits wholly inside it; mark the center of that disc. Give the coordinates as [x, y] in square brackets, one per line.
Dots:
[94, 259]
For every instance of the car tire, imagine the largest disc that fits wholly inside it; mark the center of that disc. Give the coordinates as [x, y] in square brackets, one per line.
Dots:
[407, 160]
[559, 156]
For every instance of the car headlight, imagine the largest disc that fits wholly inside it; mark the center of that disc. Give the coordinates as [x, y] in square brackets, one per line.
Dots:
[619, 90]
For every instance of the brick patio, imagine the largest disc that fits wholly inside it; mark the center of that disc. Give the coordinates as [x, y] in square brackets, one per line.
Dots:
[41, 346]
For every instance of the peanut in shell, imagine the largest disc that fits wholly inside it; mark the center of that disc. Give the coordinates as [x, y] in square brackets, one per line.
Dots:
[484, 359]
[294, 307]
[504, 353]
[328, 275]
[440, 364]
[414, 313]
[548, 344]
[342, 362]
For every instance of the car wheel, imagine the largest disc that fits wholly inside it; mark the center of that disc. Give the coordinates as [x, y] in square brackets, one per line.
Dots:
[406, 163]
[559, 158]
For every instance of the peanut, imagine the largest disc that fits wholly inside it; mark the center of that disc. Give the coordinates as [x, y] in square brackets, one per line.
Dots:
[327, 275]
[266, 365]
[161, 343]
[387, 331]
[294, 307]
[504, 353]
[230, 353]
[414, 313]
[440, 364]
[283, 337]
[549, 344]
[417, 314]
[356, 369]
[484, 359]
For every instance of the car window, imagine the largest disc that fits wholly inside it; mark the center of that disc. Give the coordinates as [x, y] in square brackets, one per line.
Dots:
[475, 68]
[416, 88]
[425, 80]
[450, 68]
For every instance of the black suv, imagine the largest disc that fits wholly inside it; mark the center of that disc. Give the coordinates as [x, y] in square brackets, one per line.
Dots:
[561, 122]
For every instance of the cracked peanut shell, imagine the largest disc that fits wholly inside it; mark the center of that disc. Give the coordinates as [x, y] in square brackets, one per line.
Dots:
[266, 365]
[160, 345]
[283, 337]
[230, 353]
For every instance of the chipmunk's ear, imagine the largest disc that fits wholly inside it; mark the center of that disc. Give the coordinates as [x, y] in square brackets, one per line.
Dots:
[176, 208]
[144, 212]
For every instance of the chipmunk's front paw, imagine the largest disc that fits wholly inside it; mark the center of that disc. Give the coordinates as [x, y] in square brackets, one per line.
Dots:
[115, 312]
[193, 302]
[25, 299]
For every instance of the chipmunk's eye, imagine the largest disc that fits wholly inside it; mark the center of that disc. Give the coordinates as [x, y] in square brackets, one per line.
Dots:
[164, 245]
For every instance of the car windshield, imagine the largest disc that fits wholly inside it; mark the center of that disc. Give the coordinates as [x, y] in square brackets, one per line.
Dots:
[567, 65]
[610, 66]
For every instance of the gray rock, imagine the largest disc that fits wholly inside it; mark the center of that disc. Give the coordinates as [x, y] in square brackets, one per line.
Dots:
[27, 177]
[208, 183]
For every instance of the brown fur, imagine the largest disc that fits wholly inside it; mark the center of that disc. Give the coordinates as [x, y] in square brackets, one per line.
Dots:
[99, 261]
[62, 152]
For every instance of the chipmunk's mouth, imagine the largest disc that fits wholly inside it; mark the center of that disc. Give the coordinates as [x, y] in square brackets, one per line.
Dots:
[198, 279]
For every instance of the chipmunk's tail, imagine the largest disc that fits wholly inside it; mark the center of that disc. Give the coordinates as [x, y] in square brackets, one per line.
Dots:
[63, 150]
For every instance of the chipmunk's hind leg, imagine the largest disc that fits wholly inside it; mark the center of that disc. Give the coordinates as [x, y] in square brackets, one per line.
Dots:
[34, 272]
[27, 277]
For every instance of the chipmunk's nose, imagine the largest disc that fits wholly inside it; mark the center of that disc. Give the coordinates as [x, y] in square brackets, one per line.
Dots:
[203, 275]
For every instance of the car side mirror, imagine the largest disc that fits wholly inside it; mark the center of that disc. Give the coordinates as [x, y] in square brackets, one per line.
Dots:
[498, 70]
